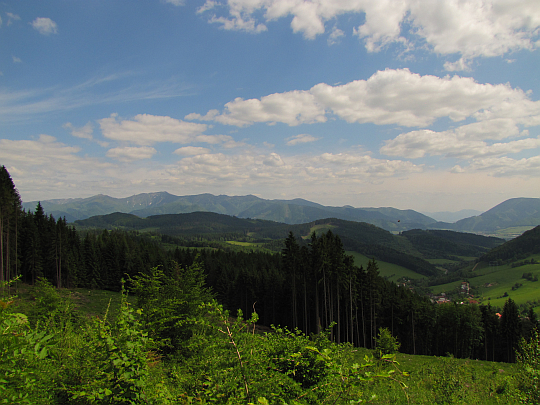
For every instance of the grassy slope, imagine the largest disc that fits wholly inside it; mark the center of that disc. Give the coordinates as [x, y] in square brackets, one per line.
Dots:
[390, 271]
[434, 380]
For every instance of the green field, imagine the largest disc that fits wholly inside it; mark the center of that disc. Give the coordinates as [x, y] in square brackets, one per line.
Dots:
[509, 233]
[493, 282]
[390, 271]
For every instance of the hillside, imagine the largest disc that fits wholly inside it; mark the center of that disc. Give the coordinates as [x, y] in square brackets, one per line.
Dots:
[517, 249]
[404, 250]
[295, 211]
[512, 213]
[450, 244]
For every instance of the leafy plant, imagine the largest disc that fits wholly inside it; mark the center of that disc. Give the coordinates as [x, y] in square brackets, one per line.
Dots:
[528, 356]
[25, 370]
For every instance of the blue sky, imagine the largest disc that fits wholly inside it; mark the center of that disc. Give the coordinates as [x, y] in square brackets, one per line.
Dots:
[427, 105]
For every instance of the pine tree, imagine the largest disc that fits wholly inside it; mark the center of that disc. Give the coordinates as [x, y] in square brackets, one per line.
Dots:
[510, 329]
[10, 210]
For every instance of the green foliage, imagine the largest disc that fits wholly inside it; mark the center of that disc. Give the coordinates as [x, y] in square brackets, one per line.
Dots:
[235, 365]
[50, 307]
[170, 304]
[25, 370]
[528, 357]
[119, 371]
[385, 343]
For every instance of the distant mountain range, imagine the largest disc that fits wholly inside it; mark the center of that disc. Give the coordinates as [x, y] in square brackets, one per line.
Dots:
[511, 213]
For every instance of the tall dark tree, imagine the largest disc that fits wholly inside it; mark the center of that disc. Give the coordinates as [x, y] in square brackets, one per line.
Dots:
[10, 210]
[291, 265]
[510, 330]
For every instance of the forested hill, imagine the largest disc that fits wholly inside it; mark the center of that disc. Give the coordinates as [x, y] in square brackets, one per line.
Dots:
[519, 248]
[295, 211]
[410, 250]
[446, 244]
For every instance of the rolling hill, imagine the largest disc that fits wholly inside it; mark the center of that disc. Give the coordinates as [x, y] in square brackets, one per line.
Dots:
[404, 250]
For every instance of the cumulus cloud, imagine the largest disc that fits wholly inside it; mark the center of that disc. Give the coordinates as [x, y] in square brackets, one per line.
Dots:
[417, 144]
[292, 108]
[505, 166]
[251, 169]
[84, 132]
[130, 154]
[471, 29]
[191, 150]
[145, 129]
[301, 138]
[273, 159]
[45, 149]
[388, 97]
[45, 26]
[16, 59]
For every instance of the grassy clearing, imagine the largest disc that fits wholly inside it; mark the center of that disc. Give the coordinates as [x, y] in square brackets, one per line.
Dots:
[244, 244]
[389, 271]
[88, 302]
[441, 261]
[445, 380]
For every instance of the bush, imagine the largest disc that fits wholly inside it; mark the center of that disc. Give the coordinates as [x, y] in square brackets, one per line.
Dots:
[386, 343]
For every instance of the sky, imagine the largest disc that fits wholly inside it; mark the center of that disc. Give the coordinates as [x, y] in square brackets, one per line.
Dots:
[430, 105]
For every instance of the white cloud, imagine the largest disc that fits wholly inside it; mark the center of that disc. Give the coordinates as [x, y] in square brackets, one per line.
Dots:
[335, 35]
[208, 5]
[84, 132]
[505, 166]
[468, 28]
[16, 59]
[292, 108]
[130, 154]
[191, 151]
[45, 149]
[176, 2]
[417, 144]
[45, 26]
[147, 129]
[11, 17]
[273, 159]
[249, 169]
[388, 97]
[301, 138]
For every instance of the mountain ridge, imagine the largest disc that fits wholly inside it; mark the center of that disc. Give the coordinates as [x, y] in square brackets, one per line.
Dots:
[514, 212]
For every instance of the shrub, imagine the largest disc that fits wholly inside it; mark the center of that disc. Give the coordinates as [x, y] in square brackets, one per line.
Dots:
[386, 343]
